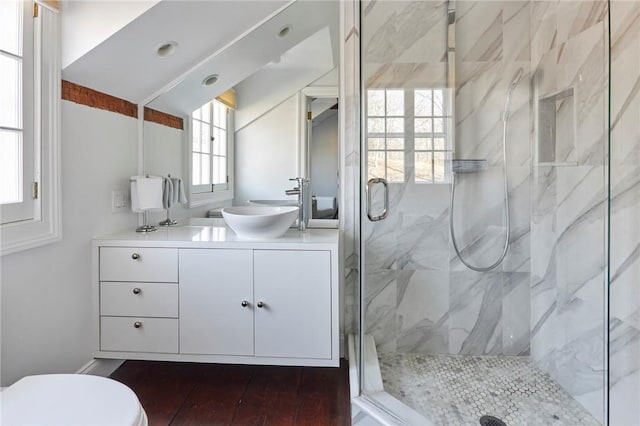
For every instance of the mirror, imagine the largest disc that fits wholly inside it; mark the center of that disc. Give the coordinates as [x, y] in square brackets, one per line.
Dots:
[277, 69]
[322, 151]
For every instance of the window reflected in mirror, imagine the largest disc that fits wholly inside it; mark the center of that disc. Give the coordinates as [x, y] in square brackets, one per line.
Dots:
[209, 163]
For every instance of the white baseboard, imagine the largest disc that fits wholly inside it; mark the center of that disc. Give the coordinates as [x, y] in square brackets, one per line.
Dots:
[100, 367]
[97, 367]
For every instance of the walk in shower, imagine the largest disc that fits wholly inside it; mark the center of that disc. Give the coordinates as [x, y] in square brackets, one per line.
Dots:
[485, 202]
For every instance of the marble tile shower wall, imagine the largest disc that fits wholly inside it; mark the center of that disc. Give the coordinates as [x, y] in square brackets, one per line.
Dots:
[568, 281]
[625, 210]
[419, 297]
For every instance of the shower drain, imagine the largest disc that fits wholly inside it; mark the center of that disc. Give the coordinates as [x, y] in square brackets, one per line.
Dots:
[491, 421]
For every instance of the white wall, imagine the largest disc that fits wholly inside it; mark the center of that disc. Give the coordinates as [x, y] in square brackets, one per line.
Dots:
[266, 154]
[164, 150]
[324, 157]
[46, 292]
[164, 154]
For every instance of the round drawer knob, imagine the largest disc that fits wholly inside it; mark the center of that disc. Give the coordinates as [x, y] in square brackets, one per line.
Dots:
[137, 324]
[260, 304]
[244, 303]
[137, 291]
[135, 256]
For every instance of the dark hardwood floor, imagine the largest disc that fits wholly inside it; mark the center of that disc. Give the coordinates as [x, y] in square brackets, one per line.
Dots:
[222, 394]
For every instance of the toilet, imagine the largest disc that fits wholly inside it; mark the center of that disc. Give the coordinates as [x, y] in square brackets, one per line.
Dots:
[70, 399]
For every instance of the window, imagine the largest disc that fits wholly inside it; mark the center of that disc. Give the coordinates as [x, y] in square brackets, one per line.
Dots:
[432, 148]
[210, 148]
[29, 125]
[407, 135]
[385, 134]
[16, 112]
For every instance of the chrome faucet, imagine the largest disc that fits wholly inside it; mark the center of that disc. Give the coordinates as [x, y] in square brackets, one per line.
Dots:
[302, 192]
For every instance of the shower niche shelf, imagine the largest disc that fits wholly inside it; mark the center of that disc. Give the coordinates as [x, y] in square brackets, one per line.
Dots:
[557, 129]
[468, 165]
[558, 164]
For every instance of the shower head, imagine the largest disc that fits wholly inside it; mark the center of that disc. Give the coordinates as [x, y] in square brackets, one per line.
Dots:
[451, 17]
[512, 87]
[451, 12]
[516, 79]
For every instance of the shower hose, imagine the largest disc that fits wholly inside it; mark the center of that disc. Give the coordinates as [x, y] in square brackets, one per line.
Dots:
[505, 248]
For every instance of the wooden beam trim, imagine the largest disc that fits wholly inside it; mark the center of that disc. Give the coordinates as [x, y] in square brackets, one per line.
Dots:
[92, 98]
[52, 3]
[163, 118]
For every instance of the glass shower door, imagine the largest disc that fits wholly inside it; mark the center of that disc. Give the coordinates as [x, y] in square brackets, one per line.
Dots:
[484, 145]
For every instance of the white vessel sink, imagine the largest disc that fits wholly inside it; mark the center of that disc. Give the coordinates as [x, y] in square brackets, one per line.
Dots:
[260, 222]
[273, 202]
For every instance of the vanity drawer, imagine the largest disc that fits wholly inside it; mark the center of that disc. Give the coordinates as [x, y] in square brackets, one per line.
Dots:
[139, 299]
[131, 334]
[138, 264]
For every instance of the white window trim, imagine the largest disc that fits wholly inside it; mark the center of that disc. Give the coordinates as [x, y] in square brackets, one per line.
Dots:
[46, 227]
[26, 208]
[206, 198]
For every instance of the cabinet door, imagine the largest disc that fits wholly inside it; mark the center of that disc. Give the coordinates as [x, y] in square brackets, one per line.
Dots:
[212, 286]
[295, 288]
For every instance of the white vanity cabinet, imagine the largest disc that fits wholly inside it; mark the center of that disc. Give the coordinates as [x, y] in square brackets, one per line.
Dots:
[174, 296]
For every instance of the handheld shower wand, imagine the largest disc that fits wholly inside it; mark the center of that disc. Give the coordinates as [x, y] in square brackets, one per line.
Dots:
[505, 248]
[512, 87]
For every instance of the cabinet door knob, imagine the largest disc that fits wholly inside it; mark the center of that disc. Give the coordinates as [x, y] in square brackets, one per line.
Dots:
[260, 304]
[135, 256]
[244, 303]
[137, 291]
[137, 324]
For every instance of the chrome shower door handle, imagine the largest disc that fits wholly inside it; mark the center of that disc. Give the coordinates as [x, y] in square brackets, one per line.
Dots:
[385, 211]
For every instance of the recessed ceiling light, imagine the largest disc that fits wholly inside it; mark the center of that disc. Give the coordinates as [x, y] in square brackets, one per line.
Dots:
[166, 49]
[209, 80]
[284, 31]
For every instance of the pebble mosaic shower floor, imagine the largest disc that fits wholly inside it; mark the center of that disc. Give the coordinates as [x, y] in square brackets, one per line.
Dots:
[458, 390]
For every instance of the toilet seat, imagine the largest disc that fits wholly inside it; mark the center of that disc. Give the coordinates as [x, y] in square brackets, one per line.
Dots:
[70, 399]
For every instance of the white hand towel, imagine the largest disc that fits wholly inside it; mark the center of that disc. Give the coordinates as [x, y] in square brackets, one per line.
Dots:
[167, 193]
[179, 195]
[146, 193]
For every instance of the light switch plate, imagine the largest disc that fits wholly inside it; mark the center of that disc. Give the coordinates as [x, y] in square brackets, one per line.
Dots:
[119, 201]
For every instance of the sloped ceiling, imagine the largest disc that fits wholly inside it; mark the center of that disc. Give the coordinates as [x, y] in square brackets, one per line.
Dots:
[231, 38]
[261, 58]
[125, 65]
[86, 24]
[275, 82]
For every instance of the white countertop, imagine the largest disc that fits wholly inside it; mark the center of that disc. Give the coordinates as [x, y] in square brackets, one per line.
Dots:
[218, 236]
